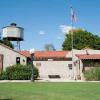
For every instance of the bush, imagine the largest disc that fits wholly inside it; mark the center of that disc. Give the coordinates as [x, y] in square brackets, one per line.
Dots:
[19, 72]
[3, 76]
[93, 74]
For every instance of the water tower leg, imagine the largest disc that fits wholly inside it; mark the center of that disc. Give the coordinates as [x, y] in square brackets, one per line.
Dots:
[18, 45]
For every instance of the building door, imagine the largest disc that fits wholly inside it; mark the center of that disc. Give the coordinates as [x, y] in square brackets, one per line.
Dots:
[1, 63]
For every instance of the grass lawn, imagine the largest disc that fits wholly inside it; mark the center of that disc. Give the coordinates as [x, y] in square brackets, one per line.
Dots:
[50, 91]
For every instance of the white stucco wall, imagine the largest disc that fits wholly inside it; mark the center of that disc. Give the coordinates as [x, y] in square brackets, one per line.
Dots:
[9, 57]
[54, 68]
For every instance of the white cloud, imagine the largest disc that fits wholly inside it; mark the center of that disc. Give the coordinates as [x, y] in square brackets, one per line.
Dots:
[42, 33]
[65, 29]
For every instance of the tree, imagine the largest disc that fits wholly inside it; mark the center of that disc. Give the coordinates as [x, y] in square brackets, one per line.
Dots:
[81, 39]
[7, 42]
[49, 47]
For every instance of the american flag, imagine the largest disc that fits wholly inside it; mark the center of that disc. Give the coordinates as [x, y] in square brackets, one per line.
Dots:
[73, 15]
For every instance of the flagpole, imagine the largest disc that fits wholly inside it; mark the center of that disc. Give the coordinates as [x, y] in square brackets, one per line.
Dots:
[72, 42]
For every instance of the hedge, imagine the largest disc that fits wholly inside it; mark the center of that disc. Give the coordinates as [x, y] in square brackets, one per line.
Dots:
[19, 72]
[93, 74]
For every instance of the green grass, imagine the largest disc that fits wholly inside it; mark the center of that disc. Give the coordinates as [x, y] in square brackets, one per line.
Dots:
[50, 91]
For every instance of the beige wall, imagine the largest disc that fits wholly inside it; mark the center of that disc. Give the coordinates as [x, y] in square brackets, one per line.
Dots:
[54, 68]
[9, 57]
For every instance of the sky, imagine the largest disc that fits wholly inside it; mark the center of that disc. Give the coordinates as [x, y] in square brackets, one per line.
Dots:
[44, 21]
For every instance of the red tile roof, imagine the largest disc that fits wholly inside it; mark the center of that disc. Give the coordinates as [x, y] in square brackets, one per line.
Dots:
[25, 53]
[46, 54]
[88, 56]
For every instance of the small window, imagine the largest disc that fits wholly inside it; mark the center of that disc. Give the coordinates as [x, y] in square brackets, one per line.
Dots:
[17, 60]
[70, 66]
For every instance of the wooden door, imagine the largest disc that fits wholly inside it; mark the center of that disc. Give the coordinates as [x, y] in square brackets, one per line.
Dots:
[1, 63]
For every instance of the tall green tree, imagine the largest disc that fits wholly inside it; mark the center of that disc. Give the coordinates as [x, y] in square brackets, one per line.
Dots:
[7, 42]
[81, 39]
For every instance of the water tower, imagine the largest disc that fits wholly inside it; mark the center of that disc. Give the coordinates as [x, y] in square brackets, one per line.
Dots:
[13, 33]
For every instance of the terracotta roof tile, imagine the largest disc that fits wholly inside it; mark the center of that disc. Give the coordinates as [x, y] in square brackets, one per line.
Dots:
[25, 53]
[88, 56]
[41, 54]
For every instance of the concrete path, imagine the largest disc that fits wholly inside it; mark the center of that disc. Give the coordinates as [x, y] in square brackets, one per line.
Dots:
[14, 81]
[43, 80]
[57, 80]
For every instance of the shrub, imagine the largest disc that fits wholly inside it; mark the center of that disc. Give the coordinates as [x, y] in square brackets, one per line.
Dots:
[3, 76]
[19, 72]
[93, 74]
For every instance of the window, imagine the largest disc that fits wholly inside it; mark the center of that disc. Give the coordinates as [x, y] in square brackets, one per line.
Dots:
[17, 60]
[70, 66]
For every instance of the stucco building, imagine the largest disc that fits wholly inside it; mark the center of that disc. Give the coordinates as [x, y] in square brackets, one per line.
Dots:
[58, 64]
[85, 60]
[9, 56]
[53, 64]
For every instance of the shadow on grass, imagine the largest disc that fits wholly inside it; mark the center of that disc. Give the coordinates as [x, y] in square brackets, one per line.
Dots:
[6, 98]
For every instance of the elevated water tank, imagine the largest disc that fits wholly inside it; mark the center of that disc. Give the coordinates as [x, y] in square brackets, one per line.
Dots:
[13, 32]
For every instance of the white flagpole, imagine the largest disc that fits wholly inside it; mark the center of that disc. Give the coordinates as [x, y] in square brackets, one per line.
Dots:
[71, 11]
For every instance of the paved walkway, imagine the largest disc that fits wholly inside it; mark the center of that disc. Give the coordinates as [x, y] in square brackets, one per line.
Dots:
[57, 80]
[43, 80]
[14, 81]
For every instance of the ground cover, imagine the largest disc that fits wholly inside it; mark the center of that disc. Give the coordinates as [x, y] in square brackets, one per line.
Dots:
[50, 91]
